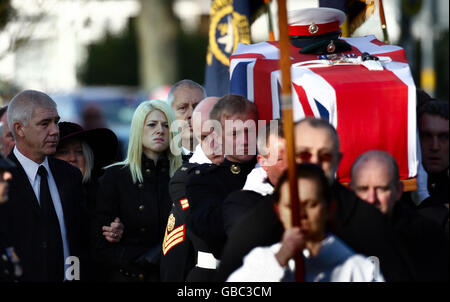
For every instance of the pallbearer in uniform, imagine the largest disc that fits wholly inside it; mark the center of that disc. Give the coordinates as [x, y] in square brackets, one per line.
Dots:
[179, 246]
[208, 187]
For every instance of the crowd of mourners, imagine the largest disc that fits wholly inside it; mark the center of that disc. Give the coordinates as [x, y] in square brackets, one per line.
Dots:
[194, 199]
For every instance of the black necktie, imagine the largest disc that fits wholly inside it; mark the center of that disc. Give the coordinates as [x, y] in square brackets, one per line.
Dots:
[185, 157]
[52, 240]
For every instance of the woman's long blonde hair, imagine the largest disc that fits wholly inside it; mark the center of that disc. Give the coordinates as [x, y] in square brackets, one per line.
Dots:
[134, 154]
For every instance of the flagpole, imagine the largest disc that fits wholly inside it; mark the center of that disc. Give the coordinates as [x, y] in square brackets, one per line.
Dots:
[288, 125]
[269, 16]
[383, 22]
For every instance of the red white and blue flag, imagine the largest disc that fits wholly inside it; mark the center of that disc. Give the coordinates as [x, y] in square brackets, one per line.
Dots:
[370, 109]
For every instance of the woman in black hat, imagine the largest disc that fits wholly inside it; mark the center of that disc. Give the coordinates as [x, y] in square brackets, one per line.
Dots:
[89, 151]
[137, 191]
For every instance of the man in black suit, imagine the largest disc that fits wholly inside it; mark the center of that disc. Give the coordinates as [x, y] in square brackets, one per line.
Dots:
[44, 218]
[359, 224]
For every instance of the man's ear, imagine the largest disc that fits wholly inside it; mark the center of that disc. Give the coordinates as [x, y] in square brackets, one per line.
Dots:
[18, 129]
[261, 160]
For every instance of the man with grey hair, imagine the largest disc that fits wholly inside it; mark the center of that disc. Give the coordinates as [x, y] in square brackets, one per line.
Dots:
[183, 97]
[44, 218]
[375, 179]
[6, 137]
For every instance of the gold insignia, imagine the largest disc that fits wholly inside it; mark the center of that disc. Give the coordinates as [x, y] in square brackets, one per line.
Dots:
[171, 223]
[331, 47]
[197, 172]
[235, 169]
[183, 168]
[172, 239]
[313, 28]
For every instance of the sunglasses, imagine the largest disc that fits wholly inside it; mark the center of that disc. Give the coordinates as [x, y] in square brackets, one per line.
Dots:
[305, 157]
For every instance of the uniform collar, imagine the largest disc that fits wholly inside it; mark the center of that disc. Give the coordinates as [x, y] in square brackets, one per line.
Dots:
[149, 163]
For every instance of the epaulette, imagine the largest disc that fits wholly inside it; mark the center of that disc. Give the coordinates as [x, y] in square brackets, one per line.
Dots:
[187, 168]
[205, 169]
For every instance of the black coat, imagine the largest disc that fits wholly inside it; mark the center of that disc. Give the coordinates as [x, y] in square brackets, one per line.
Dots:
[143, 208]
[21, 222]
[207, 189]
[178, 254]
[367, 231]
[259, 227]
[237, 205]
[422, 242]
[360, 225]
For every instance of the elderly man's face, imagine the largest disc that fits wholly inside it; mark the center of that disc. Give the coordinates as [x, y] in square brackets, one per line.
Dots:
[372, 181]
[184, 102]
[434, 132]
[39, 137]
[316, 145]
[211, 143]
[7, 139]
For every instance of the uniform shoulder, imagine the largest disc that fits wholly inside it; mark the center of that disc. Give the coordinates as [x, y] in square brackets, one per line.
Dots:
[186, 168]
[204, 169]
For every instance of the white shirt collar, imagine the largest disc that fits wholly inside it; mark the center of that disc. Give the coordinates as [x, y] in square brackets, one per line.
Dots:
[199, 157]
[185, 151]
[29, 165]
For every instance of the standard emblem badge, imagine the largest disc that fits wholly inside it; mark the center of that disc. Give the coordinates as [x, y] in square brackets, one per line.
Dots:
[331, 47]
[235, 169]
[171, 223]
[313, 28]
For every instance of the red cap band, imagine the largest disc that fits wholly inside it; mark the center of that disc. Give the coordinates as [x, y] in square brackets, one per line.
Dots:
[313, 29]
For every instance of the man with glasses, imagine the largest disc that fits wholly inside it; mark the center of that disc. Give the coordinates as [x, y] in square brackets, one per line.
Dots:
[359, 225]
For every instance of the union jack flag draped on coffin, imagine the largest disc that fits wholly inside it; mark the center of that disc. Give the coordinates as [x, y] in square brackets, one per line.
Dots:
[370, 109]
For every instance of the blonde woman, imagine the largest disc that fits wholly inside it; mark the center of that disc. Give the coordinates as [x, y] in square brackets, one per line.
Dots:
[136, 191]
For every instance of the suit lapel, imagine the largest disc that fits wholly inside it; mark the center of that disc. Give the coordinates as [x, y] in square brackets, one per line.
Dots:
[21, 178]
